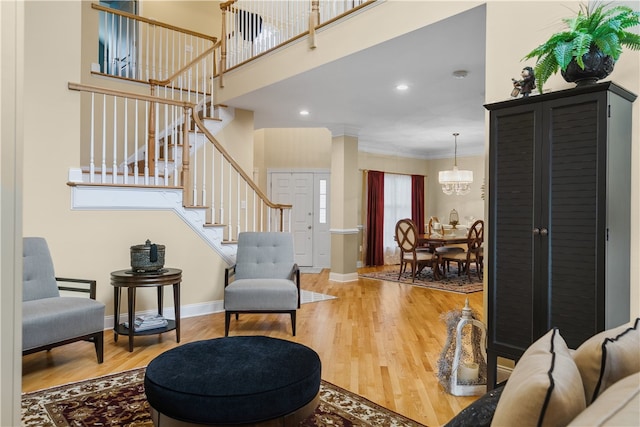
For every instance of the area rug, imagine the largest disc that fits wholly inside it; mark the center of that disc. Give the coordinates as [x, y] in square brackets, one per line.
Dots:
[452, 283]
[119, 400]
[309, 296]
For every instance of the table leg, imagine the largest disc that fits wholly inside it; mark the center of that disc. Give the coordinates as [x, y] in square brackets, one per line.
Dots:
[160, 299]
[116, 312]
[176, 307]
[131, 293]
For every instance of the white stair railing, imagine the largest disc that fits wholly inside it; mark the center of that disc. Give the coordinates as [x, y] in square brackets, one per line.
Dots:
[117, 141]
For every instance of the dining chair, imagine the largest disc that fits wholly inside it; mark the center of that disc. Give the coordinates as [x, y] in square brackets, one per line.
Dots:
[432, 220]
[444, 249]
[473, 252]
[407, 238]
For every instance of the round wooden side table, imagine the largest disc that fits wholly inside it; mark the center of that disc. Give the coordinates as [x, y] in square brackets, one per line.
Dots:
[132, 281]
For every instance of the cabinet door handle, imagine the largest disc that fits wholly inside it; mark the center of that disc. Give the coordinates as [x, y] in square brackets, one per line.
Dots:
[544, 232]
[536, 231]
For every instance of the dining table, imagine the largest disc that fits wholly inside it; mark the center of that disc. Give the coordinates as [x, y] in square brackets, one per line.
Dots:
[435, 240]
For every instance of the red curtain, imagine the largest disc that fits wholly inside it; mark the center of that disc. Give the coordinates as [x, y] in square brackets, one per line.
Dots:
[375, 218]
[417, 201]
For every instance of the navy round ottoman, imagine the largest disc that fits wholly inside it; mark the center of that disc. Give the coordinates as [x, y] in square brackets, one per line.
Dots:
[241, 380]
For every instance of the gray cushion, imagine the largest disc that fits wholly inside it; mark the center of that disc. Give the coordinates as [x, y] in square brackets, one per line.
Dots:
[264, 254]
[51, 320]
[39, 279]
[261, 294]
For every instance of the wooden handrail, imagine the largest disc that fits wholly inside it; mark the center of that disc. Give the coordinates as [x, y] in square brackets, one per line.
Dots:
[186, 105]
[235, 165]
[185, 67]
[153, 22]
[104, 91]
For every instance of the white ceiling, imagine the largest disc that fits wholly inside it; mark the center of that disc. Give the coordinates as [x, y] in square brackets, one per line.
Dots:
[356, 95]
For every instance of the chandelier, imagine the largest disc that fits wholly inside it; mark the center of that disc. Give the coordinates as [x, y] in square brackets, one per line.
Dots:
[455, 181]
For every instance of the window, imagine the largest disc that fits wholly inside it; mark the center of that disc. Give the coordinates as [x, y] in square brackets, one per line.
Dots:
[322, 202]
[117, 39]
[397, 205]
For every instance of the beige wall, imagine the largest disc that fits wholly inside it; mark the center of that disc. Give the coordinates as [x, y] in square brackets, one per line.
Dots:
[199, 16]
[300, 148]
[91, 244]
[237, 139]
[11, 155]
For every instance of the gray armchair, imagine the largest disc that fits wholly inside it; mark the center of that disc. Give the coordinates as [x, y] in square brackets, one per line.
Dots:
[265, 277]
[49, 319]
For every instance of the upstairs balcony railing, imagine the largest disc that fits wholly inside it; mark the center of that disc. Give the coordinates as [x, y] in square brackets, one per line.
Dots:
[251, 28]
[137, 48]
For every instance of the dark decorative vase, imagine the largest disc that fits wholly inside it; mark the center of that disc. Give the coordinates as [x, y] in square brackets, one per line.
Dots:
[147, 258]
[597, 66]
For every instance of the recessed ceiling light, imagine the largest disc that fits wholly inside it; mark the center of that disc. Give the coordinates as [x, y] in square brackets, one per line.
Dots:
[304, 112]
[402, 86]
[460, 74]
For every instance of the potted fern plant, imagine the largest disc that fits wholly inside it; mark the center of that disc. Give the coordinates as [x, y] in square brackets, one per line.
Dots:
[587, 49]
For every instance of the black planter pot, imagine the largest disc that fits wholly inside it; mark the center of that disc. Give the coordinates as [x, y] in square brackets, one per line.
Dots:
[597, 66]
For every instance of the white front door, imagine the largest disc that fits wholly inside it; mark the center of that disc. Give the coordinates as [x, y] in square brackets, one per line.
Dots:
[296, 189]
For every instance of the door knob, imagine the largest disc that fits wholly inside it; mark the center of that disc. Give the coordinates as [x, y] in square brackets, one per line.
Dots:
[309, 227]
[544, 232]
[536, 231]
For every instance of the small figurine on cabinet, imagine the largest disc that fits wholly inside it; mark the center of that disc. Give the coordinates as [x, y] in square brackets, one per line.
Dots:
[526, 85]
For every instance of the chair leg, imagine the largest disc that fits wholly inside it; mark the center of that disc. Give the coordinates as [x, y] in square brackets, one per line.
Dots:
[98, 342]
[293, 322]
[227, 320]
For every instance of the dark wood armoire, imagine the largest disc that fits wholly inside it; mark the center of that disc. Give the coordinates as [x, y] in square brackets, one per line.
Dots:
[559, 217]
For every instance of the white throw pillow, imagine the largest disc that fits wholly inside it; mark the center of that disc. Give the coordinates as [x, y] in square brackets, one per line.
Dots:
[608, 357]
[544, 388]
[619, 405]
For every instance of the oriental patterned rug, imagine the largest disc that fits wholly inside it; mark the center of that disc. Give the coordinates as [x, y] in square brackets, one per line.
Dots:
[119, 400]
[452, 283]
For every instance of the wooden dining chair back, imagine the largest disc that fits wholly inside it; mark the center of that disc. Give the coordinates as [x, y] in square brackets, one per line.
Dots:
[407, 238]
[473, 252]
[432, 220]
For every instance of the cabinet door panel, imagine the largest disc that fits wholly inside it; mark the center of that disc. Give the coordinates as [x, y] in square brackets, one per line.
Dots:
[511, 270]
[574, 244]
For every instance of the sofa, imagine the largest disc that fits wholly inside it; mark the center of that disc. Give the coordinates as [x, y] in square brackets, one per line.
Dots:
[50, 319]
[597, 384]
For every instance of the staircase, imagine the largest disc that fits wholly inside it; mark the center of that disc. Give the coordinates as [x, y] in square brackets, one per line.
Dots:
[158, 151]
[131, 188]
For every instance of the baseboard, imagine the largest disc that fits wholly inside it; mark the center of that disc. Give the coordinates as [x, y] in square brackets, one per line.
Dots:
[503, 373]
[349, 277]
[191, 310]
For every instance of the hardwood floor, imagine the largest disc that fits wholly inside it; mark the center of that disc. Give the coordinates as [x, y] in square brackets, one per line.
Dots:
[378, 339]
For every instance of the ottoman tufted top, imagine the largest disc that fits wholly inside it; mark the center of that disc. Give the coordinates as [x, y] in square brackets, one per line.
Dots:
[233, 380]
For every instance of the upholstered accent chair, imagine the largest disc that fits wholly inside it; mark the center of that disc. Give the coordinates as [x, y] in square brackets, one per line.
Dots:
[49, 319]
[266, 278]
